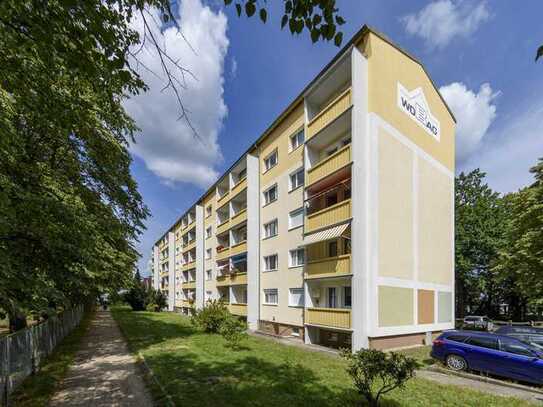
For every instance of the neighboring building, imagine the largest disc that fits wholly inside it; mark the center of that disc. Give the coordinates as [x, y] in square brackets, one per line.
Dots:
[336, 225]
[147, 282]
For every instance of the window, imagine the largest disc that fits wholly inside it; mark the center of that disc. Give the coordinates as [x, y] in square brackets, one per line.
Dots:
[296, 218]
[208, 211]
[270, 161]
[296, 297]
[270, 263]
[295, 331]
[297, 179]
[296, 140]
[332, 298]
[297, 257]
[331, 151]
[512, 346]
[208, 295]
[242, 174]
[208, 232]
[270, 296]
[332, 248]
[483, 342]
[331, 199]
[208, 275]
[347, 297]
[270, 195]
[270, 229]
[346, 141]
[208, 254]
[456, 338]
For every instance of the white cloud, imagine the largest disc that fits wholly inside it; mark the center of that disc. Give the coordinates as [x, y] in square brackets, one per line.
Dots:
[474, 114]
[167, 145]
[440, 21]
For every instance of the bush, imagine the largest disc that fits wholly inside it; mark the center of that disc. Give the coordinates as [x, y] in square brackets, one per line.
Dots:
[211, 317]
[376, 373]
[234, 330]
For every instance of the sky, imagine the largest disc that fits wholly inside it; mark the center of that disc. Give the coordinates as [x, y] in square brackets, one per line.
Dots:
[241, 74]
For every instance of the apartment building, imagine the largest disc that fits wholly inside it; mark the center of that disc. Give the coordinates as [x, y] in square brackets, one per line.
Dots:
[337, 225]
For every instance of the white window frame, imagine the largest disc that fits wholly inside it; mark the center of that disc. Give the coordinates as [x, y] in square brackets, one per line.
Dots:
[271, 291]
[209, 232]
[290, 217]
[267, 191]
[294, 174]
[209, 275]
[295, 142]
[296, 291]
[297, 256]
[208, 254]
[265, 259]
[276, 228]
[267, 166]
[209, 211]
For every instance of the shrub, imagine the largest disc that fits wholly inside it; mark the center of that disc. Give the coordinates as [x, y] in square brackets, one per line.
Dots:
[376, 373]
[211, 317]
[234, 330]
[158, 299]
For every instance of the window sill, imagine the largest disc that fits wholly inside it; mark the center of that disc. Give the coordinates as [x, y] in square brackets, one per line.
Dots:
[269, 203]
[295, 189]
[296, 306]
[295, 227]
[296, 267]
[269, 237]
[270, 305]
[292, 150]
[269, 271]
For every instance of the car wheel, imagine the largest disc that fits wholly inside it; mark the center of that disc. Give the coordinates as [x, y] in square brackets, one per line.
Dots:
[456, 363]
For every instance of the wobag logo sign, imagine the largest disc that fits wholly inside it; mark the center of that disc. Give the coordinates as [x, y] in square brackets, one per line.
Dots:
[415, 106]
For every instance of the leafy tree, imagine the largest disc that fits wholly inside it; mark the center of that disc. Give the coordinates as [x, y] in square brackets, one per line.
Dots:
[319, 17]
[234, 330]
[376, 373]
[211, 317]
[480, 220]
[137, 296]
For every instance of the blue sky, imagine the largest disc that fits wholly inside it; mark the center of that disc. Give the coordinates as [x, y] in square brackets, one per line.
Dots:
[481, 54]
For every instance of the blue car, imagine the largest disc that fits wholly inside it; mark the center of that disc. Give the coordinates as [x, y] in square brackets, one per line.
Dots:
[499, 355]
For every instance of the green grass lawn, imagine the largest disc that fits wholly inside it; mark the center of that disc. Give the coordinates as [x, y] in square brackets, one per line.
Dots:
[198, 369]
[37, 390]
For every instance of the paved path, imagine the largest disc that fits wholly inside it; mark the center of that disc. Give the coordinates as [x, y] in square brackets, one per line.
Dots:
[484, 387]
[104, 373]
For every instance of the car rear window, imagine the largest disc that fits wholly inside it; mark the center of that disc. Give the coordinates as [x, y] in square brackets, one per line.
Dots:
[456, 338]
[483, 342]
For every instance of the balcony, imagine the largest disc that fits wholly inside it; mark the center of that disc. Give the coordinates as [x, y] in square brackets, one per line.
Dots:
[223, 227]
[238, 248]
[223, 254]
[329, 165]
[331, 317]
[329, 267]
[239, 217]
[238, 309]
[332, 111]
[240, 186]
[189, 285]
[232, 279]
[189, 265]
[223, 199]
[189, 246]
[328, 216]
[191, 224]
[187, 303]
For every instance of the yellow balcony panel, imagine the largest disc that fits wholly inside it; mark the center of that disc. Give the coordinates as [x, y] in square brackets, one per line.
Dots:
[188, 266]
[191, 224]
[223, 254]
[223, 199]
[189, 246]
[328, 216]
[238, 309]
[329, 267]
[163, 259]
[189, 285]
[238, 248]
[332, 111]
[332, 317]
[240, 186]
[329, 165]
[223, 281]
[232, 279]
[187, 303]
[239, 217]
[223, 227]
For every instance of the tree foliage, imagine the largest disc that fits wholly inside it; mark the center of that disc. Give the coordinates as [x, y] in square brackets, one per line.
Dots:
[234, 330]
[376, 373]
[319, 17]
[211, 317]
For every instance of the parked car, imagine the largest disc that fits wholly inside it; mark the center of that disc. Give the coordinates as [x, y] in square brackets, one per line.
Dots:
[476, 322]
[499, 355]
[527, 334]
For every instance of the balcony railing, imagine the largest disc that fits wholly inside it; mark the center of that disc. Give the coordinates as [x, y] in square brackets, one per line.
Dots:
[238, 248]
[238, 309]
[329, 165]
[222, 199]
[332, 317]
[328, 267]
[223, 254]
[332, 111]
[223, 227]
[239, 217]
[187, 303]
[232, 279]
[189, 285]
[328, 216]
[189, 265]
[189, 246]
[240, 186]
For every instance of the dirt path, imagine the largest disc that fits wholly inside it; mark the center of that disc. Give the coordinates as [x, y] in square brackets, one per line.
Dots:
[104, 373]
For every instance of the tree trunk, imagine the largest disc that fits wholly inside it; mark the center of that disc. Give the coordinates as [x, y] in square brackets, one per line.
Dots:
[17, 321]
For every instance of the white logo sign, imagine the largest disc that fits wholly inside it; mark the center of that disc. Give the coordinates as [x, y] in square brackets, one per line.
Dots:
[415, 106]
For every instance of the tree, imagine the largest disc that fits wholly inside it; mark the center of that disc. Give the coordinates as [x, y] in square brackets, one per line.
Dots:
[376, 373]
[137, 296]
[521, 259]
[234, 330]
[480, 219]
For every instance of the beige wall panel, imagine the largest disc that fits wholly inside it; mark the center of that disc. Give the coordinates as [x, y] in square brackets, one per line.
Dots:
[386, 67]
[444, 307]
[435, 225]
[395, 208]
[395, 306]
[426, 301]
